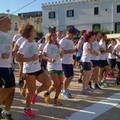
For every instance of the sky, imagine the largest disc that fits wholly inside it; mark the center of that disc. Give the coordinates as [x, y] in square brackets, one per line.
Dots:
[14, 5]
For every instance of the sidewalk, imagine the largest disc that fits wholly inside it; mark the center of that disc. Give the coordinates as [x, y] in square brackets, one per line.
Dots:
[70, 106]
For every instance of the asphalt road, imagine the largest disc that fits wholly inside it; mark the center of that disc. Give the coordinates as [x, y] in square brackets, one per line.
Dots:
[70, 106]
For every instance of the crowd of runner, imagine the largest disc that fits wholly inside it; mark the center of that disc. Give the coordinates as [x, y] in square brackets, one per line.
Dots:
[51, 61]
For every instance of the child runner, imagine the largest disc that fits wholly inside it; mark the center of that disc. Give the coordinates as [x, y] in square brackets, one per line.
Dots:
[68, 48]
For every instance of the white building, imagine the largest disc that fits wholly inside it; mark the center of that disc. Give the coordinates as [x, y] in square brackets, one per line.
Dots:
[17, 21]
[82, 14]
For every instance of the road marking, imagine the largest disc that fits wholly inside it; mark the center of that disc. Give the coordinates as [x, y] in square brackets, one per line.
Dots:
[97, 109]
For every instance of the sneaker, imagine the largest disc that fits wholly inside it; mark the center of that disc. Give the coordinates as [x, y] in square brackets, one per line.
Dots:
[6, 116]
[1, 113]
[109, 75]
[86, 91]
[57, 102]
[20, 84]
[29, 113]
[90, 89]
[103, 84]
[47, 98]
[66, 94]
[97, 86]
[117, 81]
[79, 81]
[90, 85]
[34, 99]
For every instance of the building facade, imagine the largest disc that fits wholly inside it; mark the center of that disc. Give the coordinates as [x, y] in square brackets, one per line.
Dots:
[82, 14]
[17, 21]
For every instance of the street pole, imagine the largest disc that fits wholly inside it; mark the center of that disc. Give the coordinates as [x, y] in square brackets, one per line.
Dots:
[112, 18]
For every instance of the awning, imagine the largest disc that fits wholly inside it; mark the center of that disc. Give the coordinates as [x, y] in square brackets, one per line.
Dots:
[117, 35]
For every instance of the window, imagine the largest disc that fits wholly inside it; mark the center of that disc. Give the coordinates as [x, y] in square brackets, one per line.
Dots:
[96, 10]
[70, 26]
[70, 13]
[118, 8]
[96, 27]
[117, 27]
[51, 15]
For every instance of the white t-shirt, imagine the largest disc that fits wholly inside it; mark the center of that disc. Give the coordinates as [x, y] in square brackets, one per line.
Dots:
[67, 45]
[5, 47]
[110, 55]
[86, 55]
[41, 46]
[117, 48]
[28, 49]
[53, 51]
[103, 56]
[16, 37]
[20, 41]
[96, 48]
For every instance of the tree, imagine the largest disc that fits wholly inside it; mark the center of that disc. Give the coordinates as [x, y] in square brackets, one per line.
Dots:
[99, 30]
[39, 35]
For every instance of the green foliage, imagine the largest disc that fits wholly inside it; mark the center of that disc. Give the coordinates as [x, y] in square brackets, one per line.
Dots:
[39, 35]
[101, 30]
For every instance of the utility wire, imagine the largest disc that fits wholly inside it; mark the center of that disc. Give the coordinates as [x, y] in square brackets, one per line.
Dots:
[18, 9]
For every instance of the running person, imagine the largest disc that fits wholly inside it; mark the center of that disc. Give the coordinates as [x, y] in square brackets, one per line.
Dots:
[68, 48]
[29, 54]
[86, 61]
[7, 79]
[54, 65]
[116, 52]
[95, 60]
[16, 43]
[80, 49]
[104, 68]
[111, 57]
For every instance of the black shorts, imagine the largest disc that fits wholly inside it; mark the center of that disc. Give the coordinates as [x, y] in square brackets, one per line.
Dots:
[118, 65]
[74, 57]
[68, 70]
[112, 63]
[103, 63]
[36, 73]
[86, 66]
[7, 79]
[95, 63]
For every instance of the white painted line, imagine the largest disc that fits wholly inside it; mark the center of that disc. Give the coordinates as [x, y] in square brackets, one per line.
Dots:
[97, 109]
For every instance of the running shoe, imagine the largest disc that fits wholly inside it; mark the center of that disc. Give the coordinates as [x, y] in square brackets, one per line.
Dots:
[66, 94]
[103, 83]
[110, 75]
[6, 116]
[97, 86]
[20, 84]
[86, 91]
[29, 113]
[57, 102]
[90, 85]
[117, 81]
[47, 98]
[34, 99]
[1, 113]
